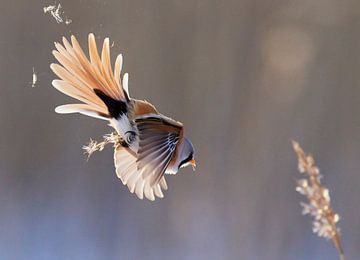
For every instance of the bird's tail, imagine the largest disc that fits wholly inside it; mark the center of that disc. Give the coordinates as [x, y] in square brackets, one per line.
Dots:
[88, 79]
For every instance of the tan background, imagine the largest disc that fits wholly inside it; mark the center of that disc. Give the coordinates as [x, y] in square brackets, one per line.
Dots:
[243, 76]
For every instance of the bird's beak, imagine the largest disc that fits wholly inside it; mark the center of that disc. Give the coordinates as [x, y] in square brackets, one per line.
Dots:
[193, 164]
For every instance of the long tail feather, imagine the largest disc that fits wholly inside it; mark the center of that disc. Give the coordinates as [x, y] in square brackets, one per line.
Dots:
[82, 109]
[81, 76]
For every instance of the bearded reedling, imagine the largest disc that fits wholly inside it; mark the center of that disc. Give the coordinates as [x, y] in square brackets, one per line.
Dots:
[318, 206]
[148, 145]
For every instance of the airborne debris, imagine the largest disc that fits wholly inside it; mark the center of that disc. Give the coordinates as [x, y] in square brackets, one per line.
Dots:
[57, 13]
[68, 21]
[34, 78]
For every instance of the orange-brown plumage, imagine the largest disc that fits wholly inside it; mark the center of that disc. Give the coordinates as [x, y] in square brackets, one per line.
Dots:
[152, 144]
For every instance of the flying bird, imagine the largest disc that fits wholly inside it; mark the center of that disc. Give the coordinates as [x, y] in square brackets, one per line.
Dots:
[151, 144]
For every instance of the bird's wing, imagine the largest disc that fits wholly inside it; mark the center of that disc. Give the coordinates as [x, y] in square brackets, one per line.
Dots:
[80, 76]
[141, 107]
[158, 138]
[127, 171]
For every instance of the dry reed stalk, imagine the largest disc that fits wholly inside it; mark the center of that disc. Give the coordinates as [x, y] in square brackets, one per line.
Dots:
[94, 146]
[318, 206]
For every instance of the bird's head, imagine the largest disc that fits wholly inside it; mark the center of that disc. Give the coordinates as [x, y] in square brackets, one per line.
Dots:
[186, 155]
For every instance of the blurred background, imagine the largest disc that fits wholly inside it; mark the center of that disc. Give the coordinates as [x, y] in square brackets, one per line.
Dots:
[245, 77]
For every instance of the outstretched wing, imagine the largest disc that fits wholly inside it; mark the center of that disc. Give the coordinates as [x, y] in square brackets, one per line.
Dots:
[158, 139]
[143, 171]
[127, 171]
[80, 76]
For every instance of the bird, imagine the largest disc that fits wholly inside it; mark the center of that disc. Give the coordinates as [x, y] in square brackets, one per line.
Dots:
[151, 144]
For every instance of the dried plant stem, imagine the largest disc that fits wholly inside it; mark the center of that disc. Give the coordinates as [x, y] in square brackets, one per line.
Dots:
[318, 206]
[94, 146]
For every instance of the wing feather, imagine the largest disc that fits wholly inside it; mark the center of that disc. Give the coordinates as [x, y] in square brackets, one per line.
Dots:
[158, 139]
[128, 173]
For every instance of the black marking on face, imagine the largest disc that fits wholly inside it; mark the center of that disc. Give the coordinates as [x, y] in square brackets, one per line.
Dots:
[188, 159]
[115, 107]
